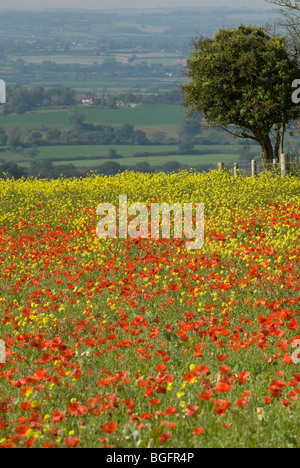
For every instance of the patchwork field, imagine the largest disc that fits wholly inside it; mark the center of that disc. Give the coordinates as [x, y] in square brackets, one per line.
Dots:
[143, 115]
[152, 119]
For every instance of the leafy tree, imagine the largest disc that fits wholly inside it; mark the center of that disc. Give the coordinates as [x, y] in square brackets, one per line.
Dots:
[185, 145]
[159, 137]
[112, 154]
[8, 170]
[63, 96]
[76, 119]
[187, 132]
[242, 81]
[109, 168]
[22, 108]
[290, 10]
[42, 168]
[171, 166]
[143, 166]
[14, 139]
[34, 137]
[18, 98]
[53, 134]
[36, 96]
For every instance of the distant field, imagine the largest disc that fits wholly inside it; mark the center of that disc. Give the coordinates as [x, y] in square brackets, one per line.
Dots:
[188, 159]
[150, 118]
[88, 57]
[160, 36]
[69, 152]
[140, 116]
[50, 118]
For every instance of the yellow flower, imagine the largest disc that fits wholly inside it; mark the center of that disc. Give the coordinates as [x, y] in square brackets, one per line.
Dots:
[28, 393]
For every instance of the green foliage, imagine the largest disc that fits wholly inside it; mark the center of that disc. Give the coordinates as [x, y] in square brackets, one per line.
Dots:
[11, 170]
[242, 81]
[187, 132]
[20, 100]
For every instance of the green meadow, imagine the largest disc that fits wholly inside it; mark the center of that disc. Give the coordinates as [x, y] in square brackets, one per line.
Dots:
[141, 115]
[152, 119]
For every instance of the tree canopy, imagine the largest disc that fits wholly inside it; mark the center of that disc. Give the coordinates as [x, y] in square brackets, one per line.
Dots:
[290, 11]
[242, 81]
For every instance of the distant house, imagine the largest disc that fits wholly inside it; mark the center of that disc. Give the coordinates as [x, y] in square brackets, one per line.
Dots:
[127, 104]
[83, 98]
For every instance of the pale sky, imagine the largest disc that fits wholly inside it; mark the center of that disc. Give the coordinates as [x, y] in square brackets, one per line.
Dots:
[111, 4]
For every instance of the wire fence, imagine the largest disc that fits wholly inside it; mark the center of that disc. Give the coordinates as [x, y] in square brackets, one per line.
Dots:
[285, 166]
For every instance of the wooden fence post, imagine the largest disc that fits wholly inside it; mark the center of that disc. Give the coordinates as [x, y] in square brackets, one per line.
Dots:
[253, 168]
[220, 166]
[235, 169]
[284, 164]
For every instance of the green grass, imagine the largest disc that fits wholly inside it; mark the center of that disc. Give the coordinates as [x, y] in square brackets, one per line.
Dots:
[70, 152]
[149, 118]
[224, 153]
[50, 118]
[139, 116]
[189, 159]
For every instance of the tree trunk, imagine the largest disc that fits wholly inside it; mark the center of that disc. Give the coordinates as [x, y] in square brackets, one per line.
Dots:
[267, 153]
[278, 148]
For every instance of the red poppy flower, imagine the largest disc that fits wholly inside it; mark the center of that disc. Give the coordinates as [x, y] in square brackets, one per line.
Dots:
[165, 436]
[30, 442]
[49, 445]
[25, 406]
[223, 387]
[154, 402]
[191, 410]
[110, 427]
[243, 377]
[242, 403]
[58, 416]
[71, 442]
[198, 431]
[146, 415]
[205, 396]
[170, 410]
[224, 369]
[222, 357]
[21, 430]
[267, 400]
[225, 425]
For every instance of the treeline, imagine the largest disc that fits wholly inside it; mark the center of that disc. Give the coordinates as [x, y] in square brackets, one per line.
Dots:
[113, 101]
[110, 69]
[46, 169]
[21, 100]
[81, 133]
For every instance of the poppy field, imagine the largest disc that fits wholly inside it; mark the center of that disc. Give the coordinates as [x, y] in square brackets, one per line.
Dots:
[141, 343]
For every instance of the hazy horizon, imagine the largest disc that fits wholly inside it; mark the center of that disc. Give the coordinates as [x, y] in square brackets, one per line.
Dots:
[127, 4]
